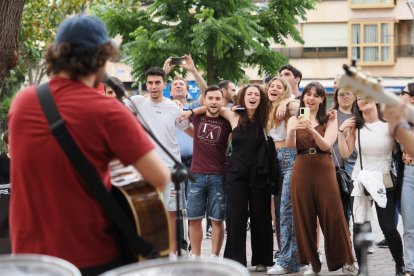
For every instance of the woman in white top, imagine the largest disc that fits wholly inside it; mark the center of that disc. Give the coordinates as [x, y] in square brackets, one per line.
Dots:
[279, 94]
[376, 152]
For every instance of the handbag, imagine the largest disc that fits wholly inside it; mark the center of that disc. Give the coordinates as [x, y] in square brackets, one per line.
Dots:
[344, 180]
[388, 179]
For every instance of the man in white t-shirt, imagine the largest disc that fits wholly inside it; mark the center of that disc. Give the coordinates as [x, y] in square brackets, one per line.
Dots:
[161, 115]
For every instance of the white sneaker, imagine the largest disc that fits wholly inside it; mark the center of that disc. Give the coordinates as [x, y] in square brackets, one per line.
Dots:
[371, 249]
[193, 256]
[173, 257]
[214, 256]
[310, 271]
[350, 269]
[278, 270]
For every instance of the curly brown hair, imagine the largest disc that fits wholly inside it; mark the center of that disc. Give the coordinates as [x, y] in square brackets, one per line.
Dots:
[64, 57]
[260, 115]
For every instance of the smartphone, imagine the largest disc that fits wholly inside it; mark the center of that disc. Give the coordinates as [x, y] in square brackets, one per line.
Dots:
[239, 109]
[305, 113]
[177, 60]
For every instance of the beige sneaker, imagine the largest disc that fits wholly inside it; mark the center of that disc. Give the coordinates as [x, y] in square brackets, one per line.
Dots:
[350, 269]
[261, 268]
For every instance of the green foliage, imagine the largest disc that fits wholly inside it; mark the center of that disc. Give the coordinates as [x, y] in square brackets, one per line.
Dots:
[223, 37]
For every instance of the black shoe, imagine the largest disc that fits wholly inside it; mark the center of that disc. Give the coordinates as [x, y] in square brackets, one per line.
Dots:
[208, 233]
[399, 270]
[382, 244]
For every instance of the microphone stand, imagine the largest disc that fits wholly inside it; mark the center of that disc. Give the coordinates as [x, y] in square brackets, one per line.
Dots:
[179, 174]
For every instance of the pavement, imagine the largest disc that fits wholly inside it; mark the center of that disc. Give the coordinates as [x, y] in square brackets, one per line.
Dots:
[379, 263]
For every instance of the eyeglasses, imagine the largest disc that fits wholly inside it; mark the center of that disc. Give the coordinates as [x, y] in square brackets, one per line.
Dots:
[404, 92]
[346, 94]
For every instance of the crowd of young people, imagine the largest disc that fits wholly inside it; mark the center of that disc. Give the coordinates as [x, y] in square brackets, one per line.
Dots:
[263, 146]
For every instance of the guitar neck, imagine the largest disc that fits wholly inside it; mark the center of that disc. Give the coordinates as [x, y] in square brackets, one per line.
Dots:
[393, 100]
[370, 88]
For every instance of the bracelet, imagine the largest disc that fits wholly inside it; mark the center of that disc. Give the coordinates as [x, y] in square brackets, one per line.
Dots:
[406, 126]
[341, 131]
[192, 112]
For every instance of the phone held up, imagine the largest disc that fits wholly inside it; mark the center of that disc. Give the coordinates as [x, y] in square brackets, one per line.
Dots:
[177, 60]
[239, 109]
[305, 113]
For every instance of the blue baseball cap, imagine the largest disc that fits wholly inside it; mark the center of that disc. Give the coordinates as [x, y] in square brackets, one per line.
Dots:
[84, 31]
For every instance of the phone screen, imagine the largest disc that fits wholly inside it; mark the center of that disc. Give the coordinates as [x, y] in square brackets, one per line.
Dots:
[177, 61]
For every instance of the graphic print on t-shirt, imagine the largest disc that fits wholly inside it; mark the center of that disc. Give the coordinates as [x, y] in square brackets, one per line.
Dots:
[208, 132]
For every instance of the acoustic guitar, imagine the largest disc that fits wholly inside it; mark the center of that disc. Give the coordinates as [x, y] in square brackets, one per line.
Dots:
[143, 205]
[370, 88]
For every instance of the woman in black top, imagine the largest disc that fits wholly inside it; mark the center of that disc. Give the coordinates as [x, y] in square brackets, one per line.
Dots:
[246, 191]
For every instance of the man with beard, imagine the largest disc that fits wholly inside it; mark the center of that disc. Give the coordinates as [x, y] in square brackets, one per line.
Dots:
[229, 93]
[211, 133]
[51, 211]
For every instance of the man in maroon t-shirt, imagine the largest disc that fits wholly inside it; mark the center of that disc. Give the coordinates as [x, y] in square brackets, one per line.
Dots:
[51, 211]
[211, 133]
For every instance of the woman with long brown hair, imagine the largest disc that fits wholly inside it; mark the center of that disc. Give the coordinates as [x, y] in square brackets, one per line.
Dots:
[246, 193]
[368, 133]
[315, 193]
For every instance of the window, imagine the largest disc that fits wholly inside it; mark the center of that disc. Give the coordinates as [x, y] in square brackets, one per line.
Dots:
[372, 43]
[369, 4]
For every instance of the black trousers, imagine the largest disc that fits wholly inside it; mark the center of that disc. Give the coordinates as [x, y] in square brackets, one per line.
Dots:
[388, 225]
[244, 201]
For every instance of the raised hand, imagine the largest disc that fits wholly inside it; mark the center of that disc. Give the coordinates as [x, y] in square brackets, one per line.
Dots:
[189, 63]
[348, 124]
[167, 67]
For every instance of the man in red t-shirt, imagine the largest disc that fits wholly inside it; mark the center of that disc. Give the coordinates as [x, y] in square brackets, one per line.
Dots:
[211, 134]
[51, 212]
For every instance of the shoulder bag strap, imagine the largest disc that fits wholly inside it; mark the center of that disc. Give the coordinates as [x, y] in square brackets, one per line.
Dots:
[90, 176]
[359, 149]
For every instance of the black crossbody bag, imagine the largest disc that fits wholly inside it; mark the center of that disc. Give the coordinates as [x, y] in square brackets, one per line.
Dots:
[90, 177]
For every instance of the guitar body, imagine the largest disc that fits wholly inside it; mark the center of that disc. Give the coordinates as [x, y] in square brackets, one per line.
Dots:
[143, 206]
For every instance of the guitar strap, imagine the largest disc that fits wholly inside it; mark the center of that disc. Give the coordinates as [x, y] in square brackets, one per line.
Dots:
[89, 175]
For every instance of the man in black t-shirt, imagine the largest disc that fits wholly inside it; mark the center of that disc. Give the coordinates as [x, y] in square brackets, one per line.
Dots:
[5, 247]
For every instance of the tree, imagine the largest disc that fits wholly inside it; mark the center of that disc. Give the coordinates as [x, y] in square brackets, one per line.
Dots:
[223, 37]
[10, 14]
[38, 23]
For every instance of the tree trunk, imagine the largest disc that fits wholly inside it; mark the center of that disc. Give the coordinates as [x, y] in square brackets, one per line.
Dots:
[210, 66]
[10, 14]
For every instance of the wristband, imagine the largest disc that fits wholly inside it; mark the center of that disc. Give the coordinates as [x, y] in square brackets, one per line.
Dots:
[341, 131]
[406, 126]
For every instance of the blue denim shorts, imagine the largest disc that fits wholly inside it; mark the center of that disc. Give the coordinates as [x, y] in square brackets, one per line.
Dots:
[206, 194]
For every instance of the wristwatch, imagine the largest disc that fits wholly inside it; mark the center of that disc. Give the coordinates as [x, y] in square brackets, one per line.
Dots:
[405, 125]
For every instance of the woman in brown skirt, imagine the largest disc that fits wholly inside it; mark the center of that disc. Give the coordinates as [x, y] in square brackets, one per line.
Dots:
[314, 189]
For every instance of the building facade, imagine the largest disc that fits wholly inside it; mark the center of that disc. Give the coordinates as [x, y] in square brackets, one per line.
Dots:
[378, 34]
